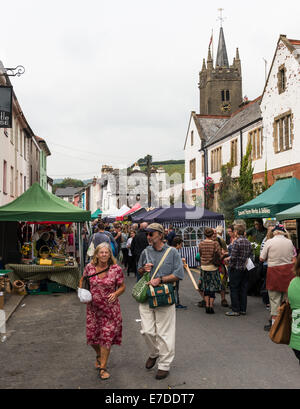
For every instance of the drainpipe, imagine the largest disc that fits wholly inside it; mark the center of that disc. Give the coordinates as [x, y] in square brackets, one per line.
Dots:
[241, 142]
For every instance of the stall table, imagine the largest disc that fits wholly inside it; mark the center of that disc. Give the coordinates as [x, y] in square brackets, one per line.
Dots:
[68, 276]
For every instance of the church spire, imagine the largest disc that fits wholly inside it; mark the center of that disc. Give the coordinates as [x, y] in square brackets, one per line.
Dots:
[222, 58]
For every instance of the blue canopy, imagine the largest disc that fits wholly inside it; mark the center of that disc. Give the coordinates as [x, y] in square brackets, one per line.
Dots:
[179, 214]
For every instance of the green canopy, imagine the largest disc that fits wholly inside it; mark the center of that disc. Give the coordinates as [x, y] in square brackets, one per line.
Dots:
[96, 214]
[282, 195]
[289, 214]
[37, 205]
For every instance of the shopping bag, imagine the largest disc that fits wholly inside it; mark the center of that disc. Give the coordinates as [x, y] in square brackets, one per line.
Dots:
[280, 332]
[91, 249]
[139, 291]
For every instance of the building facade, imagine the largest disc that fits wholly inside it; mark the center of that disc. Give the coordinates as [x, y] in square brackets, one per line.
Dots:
[270, 123]
[19, 154]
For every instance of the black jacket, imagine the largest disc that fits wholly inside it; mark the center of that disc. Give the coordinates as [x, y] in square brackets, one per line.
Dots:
[139, 243]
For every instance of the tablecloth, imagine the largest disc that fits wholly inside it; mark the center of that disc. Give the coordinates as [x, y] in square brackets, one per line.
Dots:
[65, 275]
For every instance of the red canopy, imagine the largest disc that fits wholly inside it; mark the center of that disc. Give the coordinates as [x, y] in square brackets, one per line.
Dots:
[136, 207]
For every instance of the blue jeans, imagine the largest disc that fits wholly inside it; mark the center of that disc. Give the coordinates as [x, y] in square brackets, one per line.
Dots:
[238, 282]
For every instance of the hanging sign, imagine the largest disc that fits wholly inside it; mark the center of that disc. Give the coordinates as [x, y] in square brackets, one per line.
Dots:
[5, 107]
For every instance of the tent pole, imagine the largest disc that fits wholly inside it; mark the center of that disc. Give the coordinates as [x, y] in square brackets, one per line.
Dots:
[81, 261]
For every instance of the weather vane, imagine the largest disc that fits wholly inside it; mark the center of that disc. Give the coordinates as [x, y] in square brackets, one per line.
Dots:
[221, 18]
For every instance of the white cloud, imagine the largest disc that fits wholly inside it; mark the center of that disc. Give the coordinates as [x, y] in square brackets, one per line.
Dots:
[116, 80]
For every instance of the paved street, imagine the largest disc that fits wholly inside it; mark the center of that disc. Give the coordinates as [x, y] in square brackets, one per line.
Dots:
[46, 348]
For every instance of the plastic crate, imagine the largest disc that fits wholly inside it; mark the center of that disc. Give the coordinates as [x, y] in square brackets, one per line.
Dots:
[57, 288]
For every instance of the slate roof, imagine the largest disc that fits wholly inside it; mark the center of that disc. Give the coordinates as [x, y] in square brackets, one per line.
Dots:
[243, 117]
[210, 125]
[67, 191]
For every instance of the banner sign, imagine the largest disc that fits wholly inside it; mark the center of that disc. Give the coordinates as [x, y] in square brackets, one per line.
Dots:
[5, 107]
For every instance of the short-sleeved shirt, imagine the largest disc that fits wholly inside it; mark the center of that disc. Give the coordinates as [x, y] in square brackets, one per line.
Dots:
[294, 300]
[172, 264]
[100, 238]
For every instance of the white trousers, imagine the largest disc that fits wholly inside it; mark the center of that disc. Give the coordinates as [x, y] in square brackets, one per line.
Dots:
[158, 329]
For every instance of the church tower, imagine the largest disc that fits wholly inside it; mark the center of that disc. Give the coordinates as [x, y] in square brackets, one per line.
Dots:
[220, 85]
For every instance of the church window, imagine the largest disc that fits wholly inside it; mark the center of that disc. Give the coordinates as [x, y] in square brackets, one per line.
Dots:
[192, 138]
[225, 95]
[193, 169]
[282, 133]
[256, 140]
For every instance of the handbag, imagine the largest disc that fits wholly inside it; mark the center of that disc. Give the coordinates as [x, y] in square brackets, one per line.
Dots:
[280, 332]
[163, 294]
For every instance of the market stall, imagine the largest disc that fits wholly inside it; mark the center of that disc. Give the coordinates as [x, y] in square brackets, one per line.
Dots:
[46, 257]
[135, 208]
[189, 222]
[282, 195]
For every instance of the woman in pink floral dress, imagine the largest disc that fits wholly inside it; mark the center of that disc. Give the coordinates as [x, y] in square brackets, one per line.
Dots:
[104, 319]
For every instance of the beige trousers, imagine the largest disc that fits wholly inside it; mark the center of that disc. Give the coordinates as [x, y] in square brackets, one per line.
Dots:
[276, 299]
[158, 330]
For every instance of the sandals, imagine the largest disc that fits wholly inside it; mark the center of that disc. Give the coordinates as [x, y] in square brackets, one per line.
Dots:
[102, 372]
[224, 303]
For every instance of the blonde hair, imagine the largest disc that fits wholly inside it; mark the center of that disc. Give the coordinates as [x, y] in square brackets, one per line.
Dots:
[111, 260]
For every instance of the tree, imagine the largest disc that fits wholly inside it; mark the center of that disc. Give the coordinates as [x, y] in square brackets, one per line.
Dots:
[235, 192]
[68, 182]
[230, 195]
[246, 176]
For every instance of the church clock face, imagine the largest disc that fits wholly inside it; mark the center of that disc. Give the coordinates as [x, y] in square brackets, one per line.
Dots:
[225, 107]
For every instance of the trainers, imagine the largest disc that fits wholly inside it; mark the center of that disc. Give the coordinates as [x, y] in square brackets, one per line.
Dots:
[232, 314]
[242, 313]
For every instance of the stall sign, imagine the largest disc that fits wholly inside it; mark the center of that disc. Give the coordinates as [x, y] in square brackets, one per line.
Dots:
[5, 107]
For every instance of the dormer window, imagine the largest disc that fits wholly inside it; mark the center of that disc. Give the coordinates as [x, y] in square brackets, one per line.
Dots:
[281, 79]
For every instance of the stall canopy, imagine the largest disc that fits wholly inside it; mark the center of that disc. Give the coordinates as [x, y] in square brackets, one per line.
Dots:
[289, 214]
[180, 214]
[37, 204]
[96, 214]
[136, 207]
[283, 195]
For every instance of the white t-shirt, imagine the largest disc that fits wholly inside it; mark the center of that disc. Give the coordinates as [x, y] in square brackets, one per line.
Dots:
[128, 244]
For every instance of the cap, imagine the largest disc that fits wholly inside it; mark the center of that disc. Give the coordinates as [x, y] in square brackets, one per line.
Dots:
[155, 227]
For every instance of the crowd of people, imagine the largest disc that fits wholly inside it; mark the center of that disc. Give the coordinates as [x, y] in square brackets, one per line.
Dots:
[225, 267]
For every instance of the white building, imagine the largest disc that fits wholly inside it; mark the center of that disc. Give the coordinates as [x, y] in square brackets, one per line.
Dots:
[271, 122]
